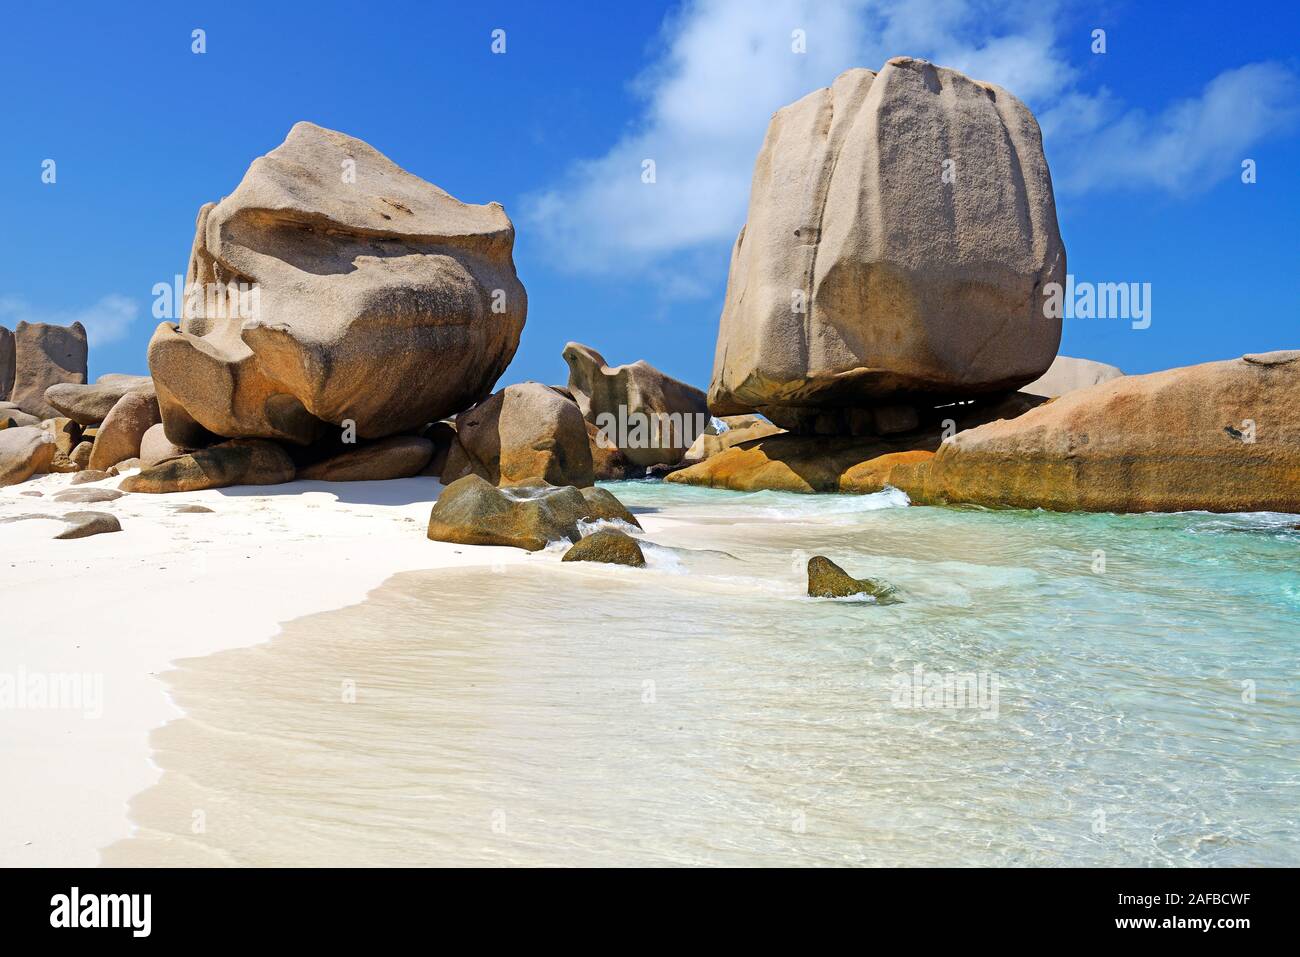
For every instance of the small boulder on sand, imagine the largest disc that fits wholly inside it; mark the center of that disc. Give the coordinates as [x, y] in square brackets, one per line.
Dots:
[87, 496]
[155, 446]
[828, 580]
[237, 462]
[85, 524]
[88, 475]
[473, 511]
[607, 545]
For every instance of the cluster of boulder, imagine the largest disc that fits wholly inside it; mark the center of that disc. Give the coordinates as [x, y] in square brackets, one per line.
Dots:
[884, 325]
[52, 420]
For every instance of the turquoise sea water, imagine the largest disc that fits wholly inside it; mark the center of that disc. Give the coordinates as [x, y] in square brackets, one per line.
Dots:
[1052, 690]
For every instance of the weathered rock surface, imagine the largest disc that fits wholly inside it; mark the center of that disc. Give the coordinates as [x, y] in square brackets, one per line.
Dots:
[399, 456]
[648, 415]
[155, 446]
[792, 462]
[381, 300]
[24, 452]
[17, 418]
[6, 363]
[747, 428]
[472, 511]
[828, 580]
[45, 355]
[901, 229]
[90, 404]
[609, 546]
[85, 524]
[124, 427]
[237, 462]
[80, 456]
[1220, 437]
[523, 435]
[1067, 374]
[607, 459]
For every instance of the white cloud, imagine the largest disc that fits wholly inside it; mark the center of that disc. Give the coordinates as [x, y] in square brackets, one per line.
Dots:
[727, 65]
[1097, 145]
[108, 320]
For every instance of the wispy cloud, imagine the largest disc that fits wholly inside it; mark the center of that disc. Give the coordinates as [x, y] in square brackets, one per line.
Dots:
[727, 65]
[108, 320]
[1191, 145]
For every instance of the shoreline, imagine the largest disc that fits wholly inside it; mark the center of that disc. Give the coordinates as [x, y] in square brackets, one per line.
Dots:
[98, 607]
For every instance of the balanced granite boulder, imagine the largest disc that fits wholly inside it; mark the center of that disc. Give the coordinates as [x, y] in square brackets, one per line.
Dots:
[524, 434]
[901, 230]
[124, 427]
[347, 290]
[45, 355]
[1219, 437]
[237, 462]
[398, 456]
[90, 404]
[24, 452]
[609, 546]
[473, 511]
[648, 415]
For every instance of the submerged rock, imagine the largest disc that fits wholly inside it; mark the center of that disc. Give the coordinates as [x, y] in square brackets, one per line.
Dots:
[379, 300]
[607, 545]
[828, 580]
[237, 462]
[901, 230]
[472, 511]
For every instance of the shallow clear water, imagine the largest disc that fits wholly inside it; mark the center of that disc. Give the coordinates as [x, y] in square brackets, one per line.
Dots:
[1132, 701]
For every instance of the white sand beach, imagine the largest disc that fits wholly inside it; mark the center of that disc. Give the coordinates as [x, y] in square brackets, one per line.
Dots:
[119, 607]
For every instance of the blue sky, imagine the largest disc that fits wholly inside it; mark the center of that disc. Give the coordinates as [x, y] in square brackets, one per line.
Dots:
[1145, 142]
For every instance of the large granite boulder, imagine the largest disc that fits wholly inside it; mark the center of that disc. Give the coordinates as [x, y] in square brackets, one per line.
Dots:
[45, 355]
[237, 462]
[1219, 437]
[371, 297]
[24, 452]
[901, 230]
[124, 428]
[473, 511]
[646, 414]
[1067, 374]
[524, 434]
[6, 363]
[90, 404]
